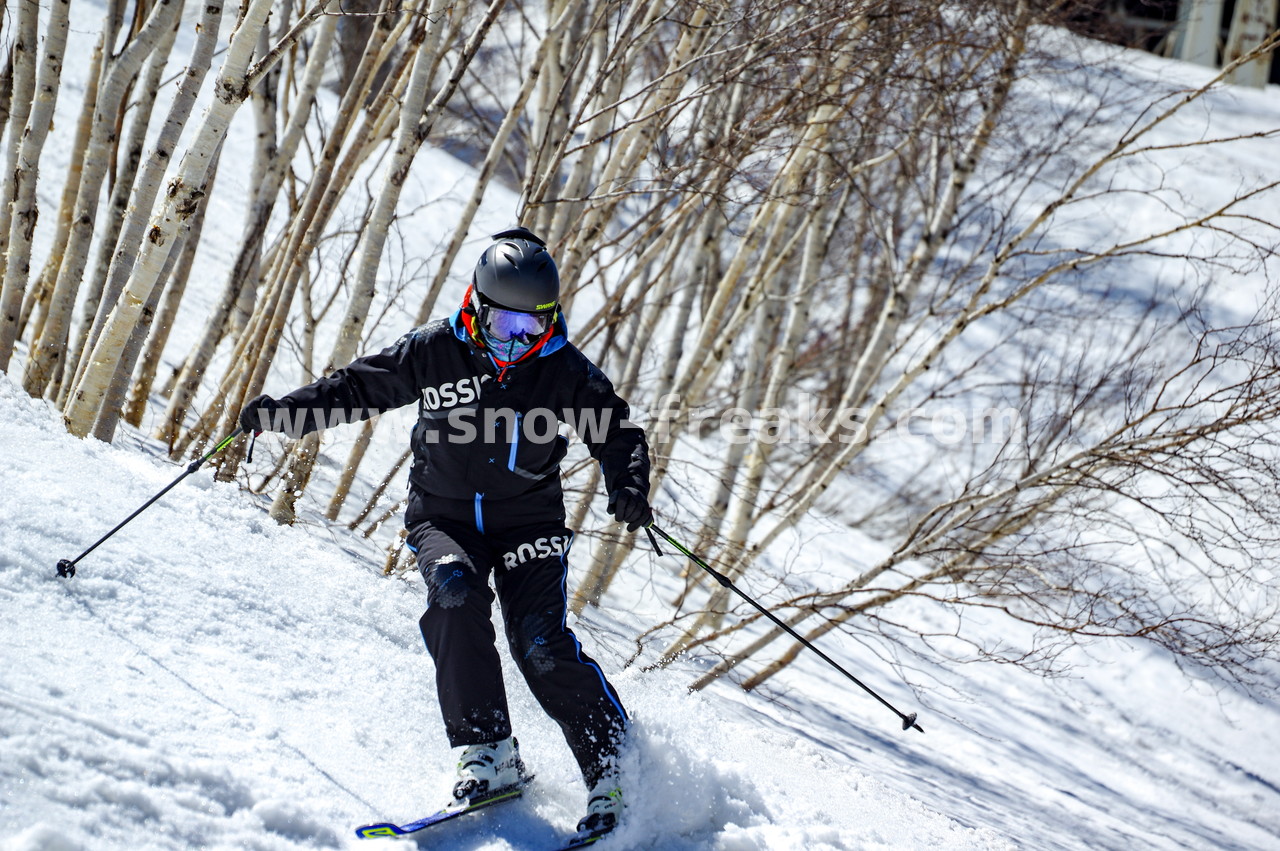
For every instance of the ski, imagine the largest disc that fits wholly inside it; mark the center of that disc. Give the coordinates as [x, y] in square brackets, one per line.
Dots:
[582, 840]
[384, 829]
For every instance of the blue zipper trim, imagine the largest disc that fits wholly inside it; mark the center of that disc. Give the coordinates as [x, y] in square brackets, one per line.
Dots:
[479, 514]
[564, 627]
[515, 442]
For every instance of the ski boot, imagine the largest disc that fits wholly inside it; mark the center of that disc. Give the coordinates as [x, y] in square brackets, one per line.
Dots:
[604, 806]
[489, 769]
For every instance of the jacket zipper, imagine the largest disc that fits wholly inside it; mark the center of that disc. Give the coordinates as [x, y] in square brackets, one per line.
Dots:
[515, 442]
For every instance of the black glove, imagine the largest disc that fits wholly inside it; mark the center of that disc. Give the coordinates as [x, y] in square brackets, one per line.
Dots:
[259, 415]
[628, 505]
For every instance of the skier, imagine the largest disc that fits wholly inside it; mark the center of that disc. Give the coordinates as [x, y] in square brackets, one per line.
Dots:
[485, 499]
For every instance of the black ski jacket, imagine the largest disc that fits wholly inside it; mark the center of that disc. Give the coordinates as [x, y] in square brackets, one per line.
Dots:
[486, 447]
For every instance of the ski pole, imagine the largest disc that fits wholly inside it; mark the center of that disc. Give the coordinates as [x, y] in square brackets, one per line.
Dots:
[67, 567]
[908, 720]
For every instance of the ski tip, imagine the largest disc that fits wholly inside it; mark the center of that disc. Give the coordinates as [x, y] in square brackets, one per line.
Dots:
[373, 831]
[582, 840]
[384, 829]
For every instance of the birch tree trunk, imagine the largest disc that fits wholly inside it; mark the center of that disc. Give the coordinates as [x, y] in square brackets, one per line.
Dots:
[568, 205]
[231, 95]
[47, 352]
[6, 84]
[955, 516]
[257, 346]
[149, 179]
[607, 560]
[635, 143]
[20, 75]
[1251, 23]
[372, 241]
[891, 316]
[178, 270]
[38, 295]
[168, 220]
[152, 356]
[110, 241]
[381, 489]
[245, 272]
[496, 150]
[743, 516]
[242, 284]
[1201, 27]
[23, 157]
[343, 488]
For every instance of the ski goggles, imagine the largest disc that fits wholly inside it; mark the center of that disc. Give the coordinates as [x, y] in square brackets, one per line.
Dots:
[505, 325]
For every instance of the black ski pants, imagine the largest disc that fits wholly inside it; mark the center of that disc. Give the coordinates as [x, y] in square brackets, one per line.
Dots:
[529, 566]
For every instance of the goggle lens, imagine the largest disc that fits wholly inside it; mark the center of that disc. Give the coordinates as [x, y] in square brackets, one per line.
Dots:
[507, 325]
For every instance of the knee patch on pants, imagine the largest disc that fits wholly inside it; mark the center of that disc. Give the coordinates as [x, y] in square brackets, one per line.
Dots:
[532, 640]
[448, 579]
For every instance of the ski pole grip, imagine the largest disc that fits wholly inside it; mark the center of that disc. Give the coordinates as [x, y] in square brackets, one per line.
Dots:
[653, 539]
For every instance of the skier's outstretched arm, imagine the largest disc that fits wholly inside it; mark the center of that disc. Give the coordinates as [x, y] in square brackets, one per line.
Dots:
[364, 388]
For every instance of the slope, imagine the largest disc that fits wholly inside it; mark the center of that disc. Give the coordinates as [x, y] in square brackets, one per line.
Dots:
[211, 680]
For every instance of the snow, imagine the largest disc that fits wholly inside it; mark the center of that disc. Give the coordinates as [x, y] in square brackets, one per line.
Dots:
[212, 680]
[209, 679]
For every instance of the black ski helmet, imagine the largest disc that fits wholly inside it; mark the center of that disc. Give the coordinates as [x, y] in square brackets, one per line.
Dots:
[517, 273]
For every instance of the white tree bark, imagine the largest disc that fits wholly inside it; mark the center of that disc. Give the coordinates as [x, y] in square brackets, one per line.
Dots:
[149, 179]
[184, 194]
[6, 84]
[255, 349]
[372, 241]
[32, 111]
[111, 243]
[47, 352]
[607, 89]
[374, 236]
[634, 143]
[245, 271]
[343, 489]
[177, 269]
[38, 290]
[22, 71]
[1201, 28]
[978, 306]
[891, 316]
[153, 355]
[496, 148]
[1251, 23]
[743, 516]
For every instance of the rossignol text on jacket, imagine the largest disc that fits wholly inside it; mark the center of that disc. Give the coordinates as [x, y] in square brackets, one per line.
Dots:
[486, 434]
